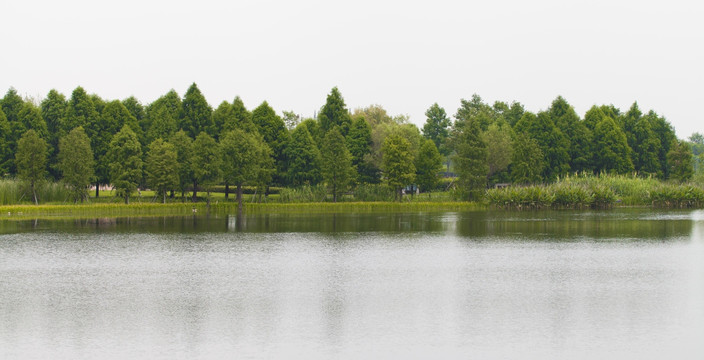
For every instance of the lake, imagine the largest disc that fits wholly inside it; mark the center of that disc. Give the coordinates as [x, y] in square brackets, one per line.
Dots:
[624, 283]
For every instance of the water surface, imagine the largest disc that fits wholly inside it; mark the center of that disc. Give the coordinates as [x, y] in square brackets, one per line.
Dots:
[616, 284]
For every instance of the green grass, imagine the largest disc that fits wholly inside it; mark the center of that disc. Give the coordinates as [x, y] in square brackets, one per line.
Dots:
[598, 192]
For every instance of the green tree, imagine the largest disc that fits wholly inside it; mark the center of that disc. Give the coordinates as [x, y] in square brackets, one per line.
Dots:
[31, 118]
[135, 108]
[470, 159]
[101, 132]
[666, 134]
[183, 145]
[475, 110]
[53, 109]
[80, 110]
[335, 114]
[76, 163]
[11, 105]
[273, 129]
[553, 144]
[291, 119]
[645, 153]
[6, 156]
[206, 163]
[336, 163]
[527, 161]
[125, 162]
[437, 128]
[162, 117]
[428, 165]
[303, 158]
[31, 161]
[499, 147]
[196, 114]
[162, 167]
[242, 117]
[611, 148]
[628, 123]
[577, 134]
[244, 155]
[514, 113]
[398, 167]
[679, 160]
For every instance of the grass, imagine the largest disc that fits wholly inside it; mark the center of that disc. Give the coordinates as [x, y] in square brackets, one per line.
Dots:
[598, 192]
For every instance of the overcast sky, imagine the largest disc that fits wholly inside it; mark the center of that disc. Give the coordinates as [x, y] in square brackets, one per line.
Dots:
[403, 55]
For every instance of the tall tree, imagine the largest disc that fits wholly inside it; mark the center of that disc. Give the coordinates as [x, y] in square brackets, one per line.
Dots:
[101, 132]
[183, 145]
[6, 156]
[80, 110]
[336, 163]
[552, 142]
[162, 117]
[162, 167]
[125, 162]
[527, 161]
[679, 161]
[76, 163]
[334, 113]
[666, 134]
[242, 117]
[645, 153]
[206, 163]
[273, 129]
[196, 114]
[359, 142]
[12, 105]
[31, 161]
[499, 147]
[611, 148]
[224, 114]
[399, 169]
[437, 127]
[475, 110]
[244, 155]
[577, 134]
[428, 165]
[628, 123]
[53, 109]
[470, 159]
[303, 158]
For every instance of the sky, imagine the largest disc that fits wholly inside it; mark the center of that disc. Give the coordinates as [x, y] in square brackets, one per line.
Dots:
[402, 55]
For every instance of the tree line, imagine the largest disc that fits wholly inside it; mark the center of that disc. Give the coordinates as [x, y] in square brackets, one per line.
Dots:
[178, 145]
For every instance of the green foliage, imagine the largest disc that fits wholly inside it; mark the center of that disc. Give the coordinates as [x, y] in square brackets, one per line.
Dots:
[80, 111]
[206, 161]
[679, 160]
[31, 161]
[334, 113]
[336, 163]
[31, 118]
[221, 116]
[125, 162]
[273, 129]
[578, 135]
[53, 109]
[113, 118]
[374, 192]
[359, 140]
[162, 117]
[303, 158]
[475, 110]
[162, 167]
[437, 128]
[398, 167]
[183, 145]
[242, 117]
[428, 165]
[303, 194]
[553, 144]
[470, 160]
[666, 134]
[645, 150]
[527, 161]
[6, 158]
[76, 163]
[245, 157]
[499, 147]
[196, 114]
[611, 151]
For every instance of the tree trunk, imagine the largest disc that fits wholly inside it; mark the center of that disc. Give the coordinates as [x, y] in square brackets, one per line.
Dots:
[127, 199]
[207, 199]
[239, 199]
[334, 193]
[34, 192]
[97, 189]
[195, 191]
[227, 190]
[164, 198]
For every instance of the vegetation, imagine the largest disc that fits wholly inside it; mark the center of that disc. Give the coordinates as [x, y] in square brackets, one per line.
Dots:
[181, 145]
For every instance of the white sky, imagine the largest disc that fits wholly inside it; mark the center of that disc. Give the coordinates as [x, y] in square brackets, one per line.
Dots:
[403, 55]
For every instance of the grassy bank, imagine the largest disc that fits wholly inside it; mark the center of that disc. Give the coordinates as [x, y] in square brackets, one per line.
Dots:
[154, 209]
[598, 192]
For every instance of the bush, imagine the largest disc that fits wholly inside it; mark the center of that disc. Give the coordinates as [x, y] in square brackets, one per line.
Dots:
[373, 192]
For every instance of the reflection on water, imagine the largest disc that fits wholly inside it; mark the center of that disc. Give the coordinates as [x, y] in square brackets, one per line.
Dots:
[618, 284]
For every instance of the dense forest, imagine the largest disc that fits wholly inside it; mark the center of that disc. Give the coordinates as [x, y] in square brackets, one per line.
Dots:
[178, 145]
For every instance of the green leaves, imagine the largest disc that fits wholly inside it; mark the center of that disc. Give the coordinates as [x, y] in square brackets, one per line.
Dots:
[31, 160]
[76, 163]
[125, 162]
[162, 167]
[398, 166]
[336, 163]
